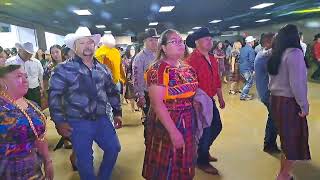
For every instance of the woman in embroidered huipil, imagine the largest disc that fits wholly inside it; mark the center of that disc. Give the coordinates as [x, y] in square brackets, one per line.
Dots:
[170, 143]
[23, 148]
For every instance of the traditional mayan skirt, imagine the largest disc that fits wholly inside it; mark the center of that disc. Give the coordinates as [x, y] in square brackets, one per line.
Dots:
[161, 161]
[21, 168]
[292, 129]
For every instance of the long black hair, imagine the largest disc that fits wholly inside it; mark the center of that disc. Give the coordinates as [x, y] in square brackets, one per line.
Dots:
[58, 47]
[127, 52]
[287, 37]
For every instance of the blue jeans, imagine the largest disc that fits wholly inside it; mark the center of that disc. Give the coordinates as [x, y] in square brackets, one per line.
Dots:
[103, 133]
[208, 136]
[248, 76]
[271, 133]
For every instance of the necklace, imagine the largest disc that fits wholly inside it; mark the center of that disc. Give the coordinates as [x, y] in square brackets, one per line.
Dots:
[42, 116]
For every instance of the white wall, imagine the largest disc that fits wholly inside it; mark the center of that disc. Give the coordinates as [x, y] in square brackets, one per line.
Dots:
[53, 39]
[18, 34]
[123, 40]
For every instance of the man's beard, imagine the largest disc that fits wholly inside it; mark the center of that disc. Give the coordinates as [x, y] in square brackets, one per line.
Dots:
[87, 52]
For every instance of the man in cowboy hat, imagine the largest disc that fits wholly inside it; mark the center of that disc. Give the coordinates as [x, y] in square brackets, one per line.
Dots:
[33, 68]
[246, 60]
[140, 64]
[206, 67]
[81, 92]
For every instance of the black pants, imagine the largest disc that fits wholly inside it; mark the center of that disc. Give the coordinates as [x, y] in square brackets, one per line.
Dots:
[146, 110]
[34, 95]
[316, 74]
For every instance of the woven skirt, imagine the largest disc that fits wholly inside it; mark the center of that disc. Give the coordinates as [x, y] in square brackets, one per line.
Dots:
[292, 129]
[22, 168]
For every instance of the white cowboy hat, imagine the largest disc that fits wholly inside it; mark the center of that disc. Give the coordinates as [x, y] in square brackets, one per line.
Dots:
[108, 40]
[80, 33]
[250, 39]
[27, 46]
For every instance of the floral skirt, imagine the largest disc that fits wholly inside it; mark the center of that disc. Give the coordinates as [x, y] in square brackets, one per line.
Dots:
[21, 168]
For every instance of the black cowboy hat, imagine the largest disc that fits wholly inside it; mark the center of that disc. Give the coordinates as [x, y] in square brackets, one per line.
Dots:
[317, 36]
[198, 34]
[149, 33]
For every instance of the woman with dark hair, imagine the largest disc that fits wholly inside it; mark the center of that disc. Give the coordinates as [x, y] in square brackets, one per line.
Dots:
[289, 103]
[220, 55]
[170, 142]
[23, 145]
[40, 55]
[127, 66]
[67, 53]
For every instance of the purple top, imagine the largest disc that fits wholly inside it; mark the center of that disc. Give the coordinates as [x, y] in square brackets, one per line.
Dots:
[291, 81]
[16, 136]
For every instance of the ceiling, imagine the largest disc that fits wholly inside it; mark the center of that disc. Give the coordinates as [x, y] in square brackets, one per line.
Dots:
[57, 15]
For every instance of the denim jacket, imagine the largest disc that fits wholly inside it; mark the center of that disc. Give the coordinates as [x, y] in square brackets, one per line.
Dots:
[76, 92]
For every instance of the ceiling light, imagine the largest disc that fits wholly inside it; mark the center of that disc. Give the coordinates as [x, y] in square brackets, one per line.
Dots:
[227, 35]
[197, 27]
[261, 6]
[268, 13]
[107, 32]
[82, 12]
[100, 26]
[8, 4]
[190, 32]
[126, 18]
[233, 27]
[166, 8]
[153, 23]
[262, 20]
[215, 21]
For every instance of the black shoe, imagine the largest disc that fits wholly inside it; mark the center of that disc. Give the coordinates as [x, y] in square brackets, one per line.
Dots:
[271, 149]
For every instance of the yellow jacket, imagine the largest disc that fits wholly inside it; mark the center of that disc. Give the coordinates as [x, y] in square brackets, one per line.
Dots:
[112, 58]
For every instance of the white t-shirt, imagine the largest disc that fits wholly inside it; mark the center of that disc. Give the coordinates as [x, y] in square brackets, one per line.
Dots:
[32, 67]
[304, 47]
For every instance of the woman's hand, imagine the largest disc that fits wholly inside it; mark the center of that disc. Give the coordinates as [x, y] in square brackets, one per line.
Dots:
[48, 170]
[303, 114]
[177, 139]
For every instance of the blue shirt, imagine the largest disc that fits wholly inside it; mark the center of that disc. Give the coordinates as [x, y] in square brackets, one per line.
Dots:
[262, 76]
[246, 59]
[76, 92]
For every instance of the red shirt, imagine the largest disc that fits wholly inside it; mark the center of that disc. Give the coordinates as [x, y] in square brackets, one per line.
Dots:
[316, 50]
[208, 75]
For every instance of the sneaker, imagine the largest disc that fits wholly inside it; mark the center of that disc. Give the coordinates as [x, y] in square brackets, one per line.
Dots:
[208, 168]
[246, 98]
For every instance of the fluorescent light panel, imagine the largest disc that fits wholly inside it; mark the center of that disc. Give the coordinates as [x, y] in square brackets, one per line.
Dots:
[100, 26]
[262, 20]
[82, 12]
[190, 32]
[153, 23]
[261, 6]
[166, 8]
[233, 27]
[197, 27]
[107, 32]
[215, 21]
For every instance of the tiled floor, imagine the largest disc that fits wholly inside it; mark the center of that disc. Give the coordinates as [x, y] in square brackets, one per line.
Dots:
[238, 147]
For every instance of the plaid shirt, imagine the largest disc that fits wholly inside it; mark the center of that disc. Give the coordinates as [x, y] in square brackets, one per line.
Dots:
[76, 92]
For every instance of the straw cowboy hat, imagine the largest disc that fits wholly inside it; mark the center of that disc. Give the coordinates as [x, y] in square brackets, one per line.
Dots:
[27, 46]
[250, 39]
[80, 33]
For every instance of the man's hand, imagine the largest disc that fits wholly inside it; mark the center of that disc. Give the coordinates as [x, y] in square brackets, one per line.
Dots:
[64, 129]
[42, 92]
[222, 103]
[141, 102]
[303, 114]
[117, 122]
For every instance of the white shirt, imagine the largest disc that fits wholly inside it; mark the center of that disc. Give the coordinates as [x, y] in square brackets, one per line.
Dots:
[304, 47]
[32, 67]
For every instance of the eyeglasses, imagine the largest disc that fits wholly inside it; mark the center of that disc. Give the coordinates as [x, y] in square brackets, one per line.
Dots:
[176, 42]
